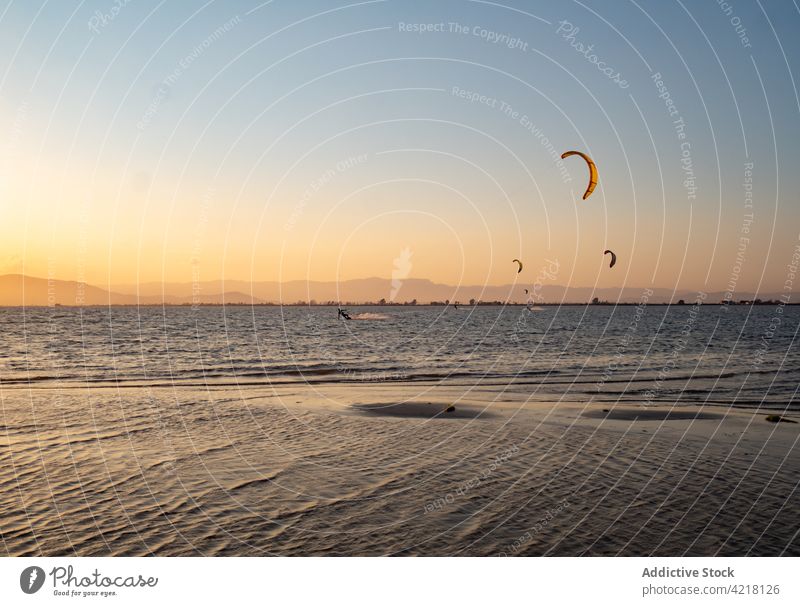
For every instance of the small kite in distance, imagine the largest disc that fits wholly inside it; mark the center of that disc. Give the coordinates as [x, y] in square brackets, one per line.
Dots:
[592, 170]
[520, 264]
[613, 257]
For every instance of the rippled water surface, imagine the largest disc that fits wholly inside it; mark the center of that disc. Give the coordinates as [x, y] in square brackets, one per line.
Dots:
[743, 356]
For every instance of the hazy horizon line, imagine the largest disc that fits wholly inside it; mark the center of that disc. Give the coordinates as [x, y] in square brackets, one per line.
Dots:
[431, 281]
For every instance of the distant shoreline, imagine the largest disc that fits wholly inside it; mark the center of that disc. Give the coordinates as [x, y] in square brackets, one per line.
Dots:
[394, 305]
[18, 290]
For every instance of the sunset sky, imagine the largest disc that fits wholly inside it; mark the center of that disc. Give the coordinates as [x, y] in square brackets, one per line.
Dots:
[291, 140]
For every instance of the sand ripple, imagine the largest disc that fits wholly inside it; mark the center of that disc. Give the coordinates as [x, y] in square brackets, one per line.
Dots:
[174, 474]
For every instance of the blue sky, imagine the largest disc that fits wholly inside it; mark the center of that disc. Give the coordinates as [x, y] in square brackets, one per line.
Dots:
[151, 143]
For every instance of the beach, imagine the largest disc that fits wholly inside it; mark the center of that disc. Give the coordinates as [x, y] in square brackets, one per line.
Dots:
[318, 280]
[283, 471]
[427, 431]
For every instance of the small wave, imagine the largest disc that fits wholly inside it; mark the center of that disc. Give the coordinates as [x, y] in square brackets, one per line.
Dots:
[370, 316]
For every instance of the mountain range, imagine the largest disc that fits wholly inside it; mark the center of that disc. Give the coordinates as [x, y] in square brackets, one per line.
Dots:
[19, 290]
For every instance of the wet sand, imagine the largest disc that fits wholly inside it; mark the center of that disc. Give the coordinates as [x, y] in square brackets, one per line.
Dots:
[649, 414]
[293, 471]
[423, 410]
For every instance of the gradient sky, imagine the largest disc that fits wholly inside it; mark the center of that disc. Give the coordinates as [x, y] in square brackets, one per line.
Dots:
[293, 140]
